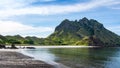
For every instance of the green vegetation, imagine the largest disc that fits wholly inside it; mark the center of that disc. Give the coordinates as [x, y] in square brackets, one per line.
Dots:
[82, 32]
[17, 39]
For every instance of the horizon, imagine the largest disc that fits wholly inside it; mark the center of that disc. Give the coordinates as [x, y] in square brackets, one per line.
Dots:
[40, 17]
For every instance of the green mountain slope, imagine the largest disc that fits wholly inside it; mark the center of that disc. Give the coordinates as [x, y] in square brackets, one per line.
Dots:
[83, 32]
[17, 39]
[33, 40]
[2, 39]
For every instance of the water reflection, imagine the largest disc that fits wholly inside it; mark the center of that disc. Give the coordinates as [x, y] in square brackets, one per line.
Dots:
[41, 54]
[89, 57]
[79, 57]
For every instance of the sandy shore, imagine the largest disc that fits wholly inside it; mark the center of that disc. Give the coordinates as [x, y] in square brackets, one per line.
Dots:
[11, 59]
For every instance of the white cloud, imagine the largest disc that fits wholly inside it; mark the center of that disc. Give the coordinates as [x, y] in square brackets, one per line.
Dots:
[13, 28]
[115, 7]
[113, 2]
[5, 4]
[54, 9]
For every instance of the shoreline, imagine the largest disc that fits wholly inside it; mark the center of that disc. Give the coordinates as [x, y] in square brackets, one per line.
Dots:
[57, 46]
[35, 62]
[25, 58]
[14, 59]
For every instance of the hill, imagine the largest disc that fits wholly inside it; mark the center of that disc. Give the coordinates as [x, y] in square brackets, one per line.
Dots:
[83, 32]
[17, 39]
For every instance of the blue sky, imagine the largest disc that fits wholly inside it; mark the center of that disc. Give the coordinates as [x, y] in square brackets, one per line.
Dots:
[40, 17]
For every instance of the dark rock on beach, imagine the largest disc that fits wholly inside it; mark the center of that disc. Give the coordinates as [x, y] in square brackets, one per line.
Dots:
[2, 46]
[30, 47]
[13, 46]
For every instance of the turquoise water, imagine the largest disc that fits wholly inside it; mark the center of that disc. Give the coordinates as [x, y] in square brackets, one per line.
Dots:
[78, 57]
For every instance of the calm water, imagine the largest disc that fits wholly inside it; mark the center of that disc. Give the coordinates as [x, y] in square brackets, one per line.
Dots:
[78, 57]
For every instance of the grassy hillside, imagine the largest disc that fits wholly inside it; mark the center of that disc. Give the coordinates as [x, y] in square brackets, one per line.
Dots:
[83, 32]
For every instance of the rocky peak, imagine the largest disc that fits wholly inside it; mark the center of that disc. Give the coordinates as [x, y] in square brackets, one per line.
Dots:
[75, 32]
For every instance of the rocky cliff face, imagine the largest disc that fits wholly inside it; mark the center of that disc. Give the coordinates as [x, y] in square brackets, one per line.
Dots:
[84, 32]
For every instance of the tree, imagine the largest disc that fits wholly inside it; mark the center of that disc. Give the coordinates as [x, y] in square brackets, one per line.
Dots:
[13, 41]
[28, 42]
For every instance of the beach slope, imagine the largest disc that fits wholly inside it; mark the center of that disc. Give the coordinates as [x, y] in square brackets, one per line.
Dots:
[18, 60]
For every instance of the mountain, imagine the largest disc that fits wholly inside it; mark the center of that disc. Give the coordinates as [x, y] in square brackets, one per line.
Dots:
[83, 32]
[33, 40]
[79, 32]
[17, 39]
[2, 39]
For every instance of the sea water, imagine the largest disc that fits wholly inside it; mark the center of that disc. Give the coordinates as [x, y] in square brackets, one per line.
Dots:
[77, 57]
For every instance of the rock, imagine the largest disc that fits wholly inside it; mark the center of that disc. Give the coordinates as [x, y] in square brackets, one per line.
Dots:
[30, 47]
[2, 46]
[13, 46]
